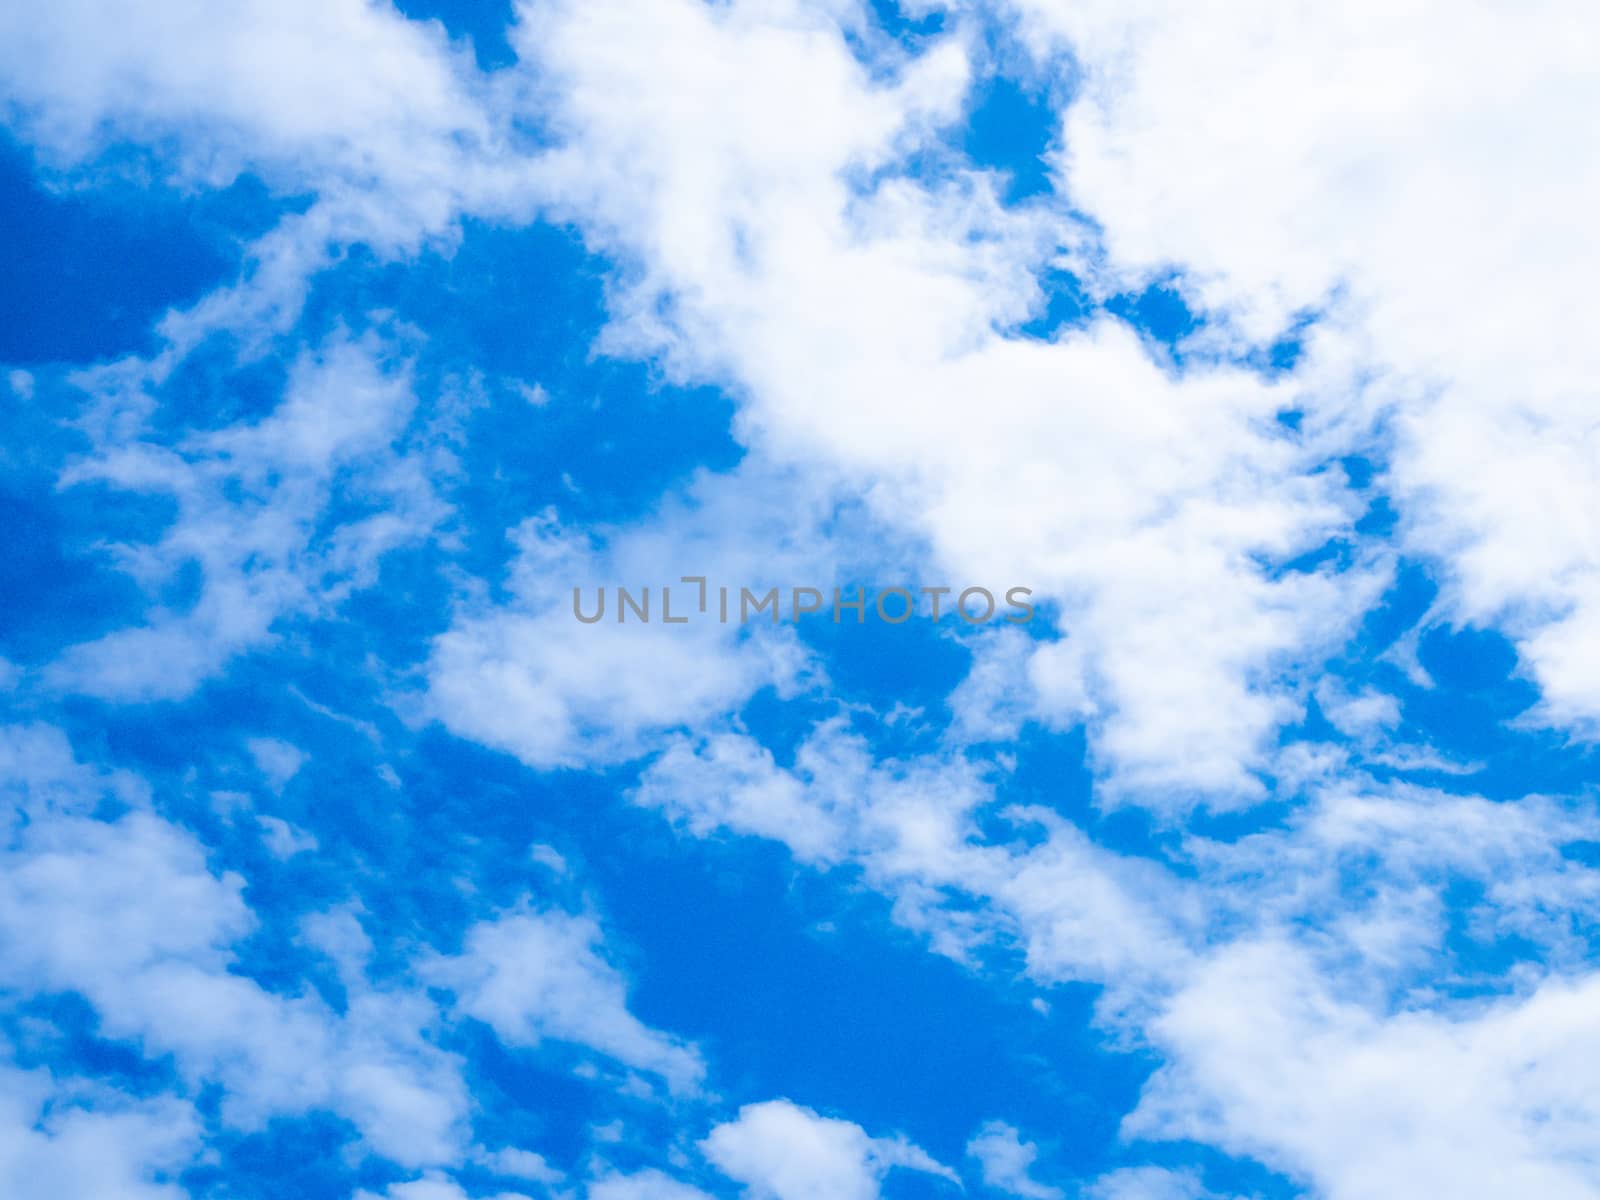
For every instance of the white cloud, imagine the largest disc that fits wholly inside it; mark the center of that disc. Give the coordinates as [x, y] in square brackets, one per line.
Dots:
[283, 840]
[781, 1151]
[1007, 1162]
[40, 775]
[1270, 1061]
[1353, 158]
[433, 1186]
[1147, 1183]
[528, 677]
[534, 976]
[1082, 911]
[158, 973]
[345, 79]
[860, 326]
[278, 760]
[643, 1185]
[1357, 715]
[76, 1141]
[521, 1164]
[337, 933]
[250, 498]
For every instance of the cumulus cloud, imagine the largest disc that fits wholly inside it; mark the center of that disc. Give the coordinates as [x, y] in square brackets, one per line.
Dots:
[521, 1164]
[77, 1141]
[643, 1185]
[1007, 1162]
[535, 975]
[1271, 1061]
[278, 760]
[1357, 161]
[348, 78]
[1147, 1183]
[158, 975]
[781, 1151]
[1156, 509]
[283, 840]
[527, 676]
[433, 1187]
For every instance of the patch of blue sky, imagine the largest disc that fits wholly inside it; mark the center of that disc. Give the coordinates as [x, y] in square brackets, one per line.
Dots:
[482, 23]
[1067, 306]
[1052, 769]
[1472, 704]
[802, 986]
[90, 266]
[48, 1030]
[56, 586]
[508, 320]
[1159, 312]
[218, 384]
[1010, 127]
[303, 1157]
[908, 22]
[894, 671]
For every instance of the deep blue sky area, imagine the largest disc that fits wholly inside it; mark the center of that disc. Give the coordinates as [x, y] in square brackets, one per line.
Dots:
[91, 265]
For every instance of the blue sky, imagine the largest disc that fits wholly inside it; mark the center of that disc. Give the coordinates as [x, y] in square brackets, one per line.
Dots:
[340, 343]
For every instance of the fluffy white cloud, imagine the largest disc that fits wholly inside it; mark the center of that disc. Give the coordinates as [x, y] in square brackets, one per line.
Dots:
[278, 760]
[433, 1187]
[1420, 172]
[1270, 1060]
[158, 972]
[1147, 1183]
[40, 775]
[1007, 1162]
[643, 1185]
[283, 840]
[348, 79]
[860, 323]
[521, 1164]
[528, 677]
[781, 1151]
[75, 1141]
[534, 975]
